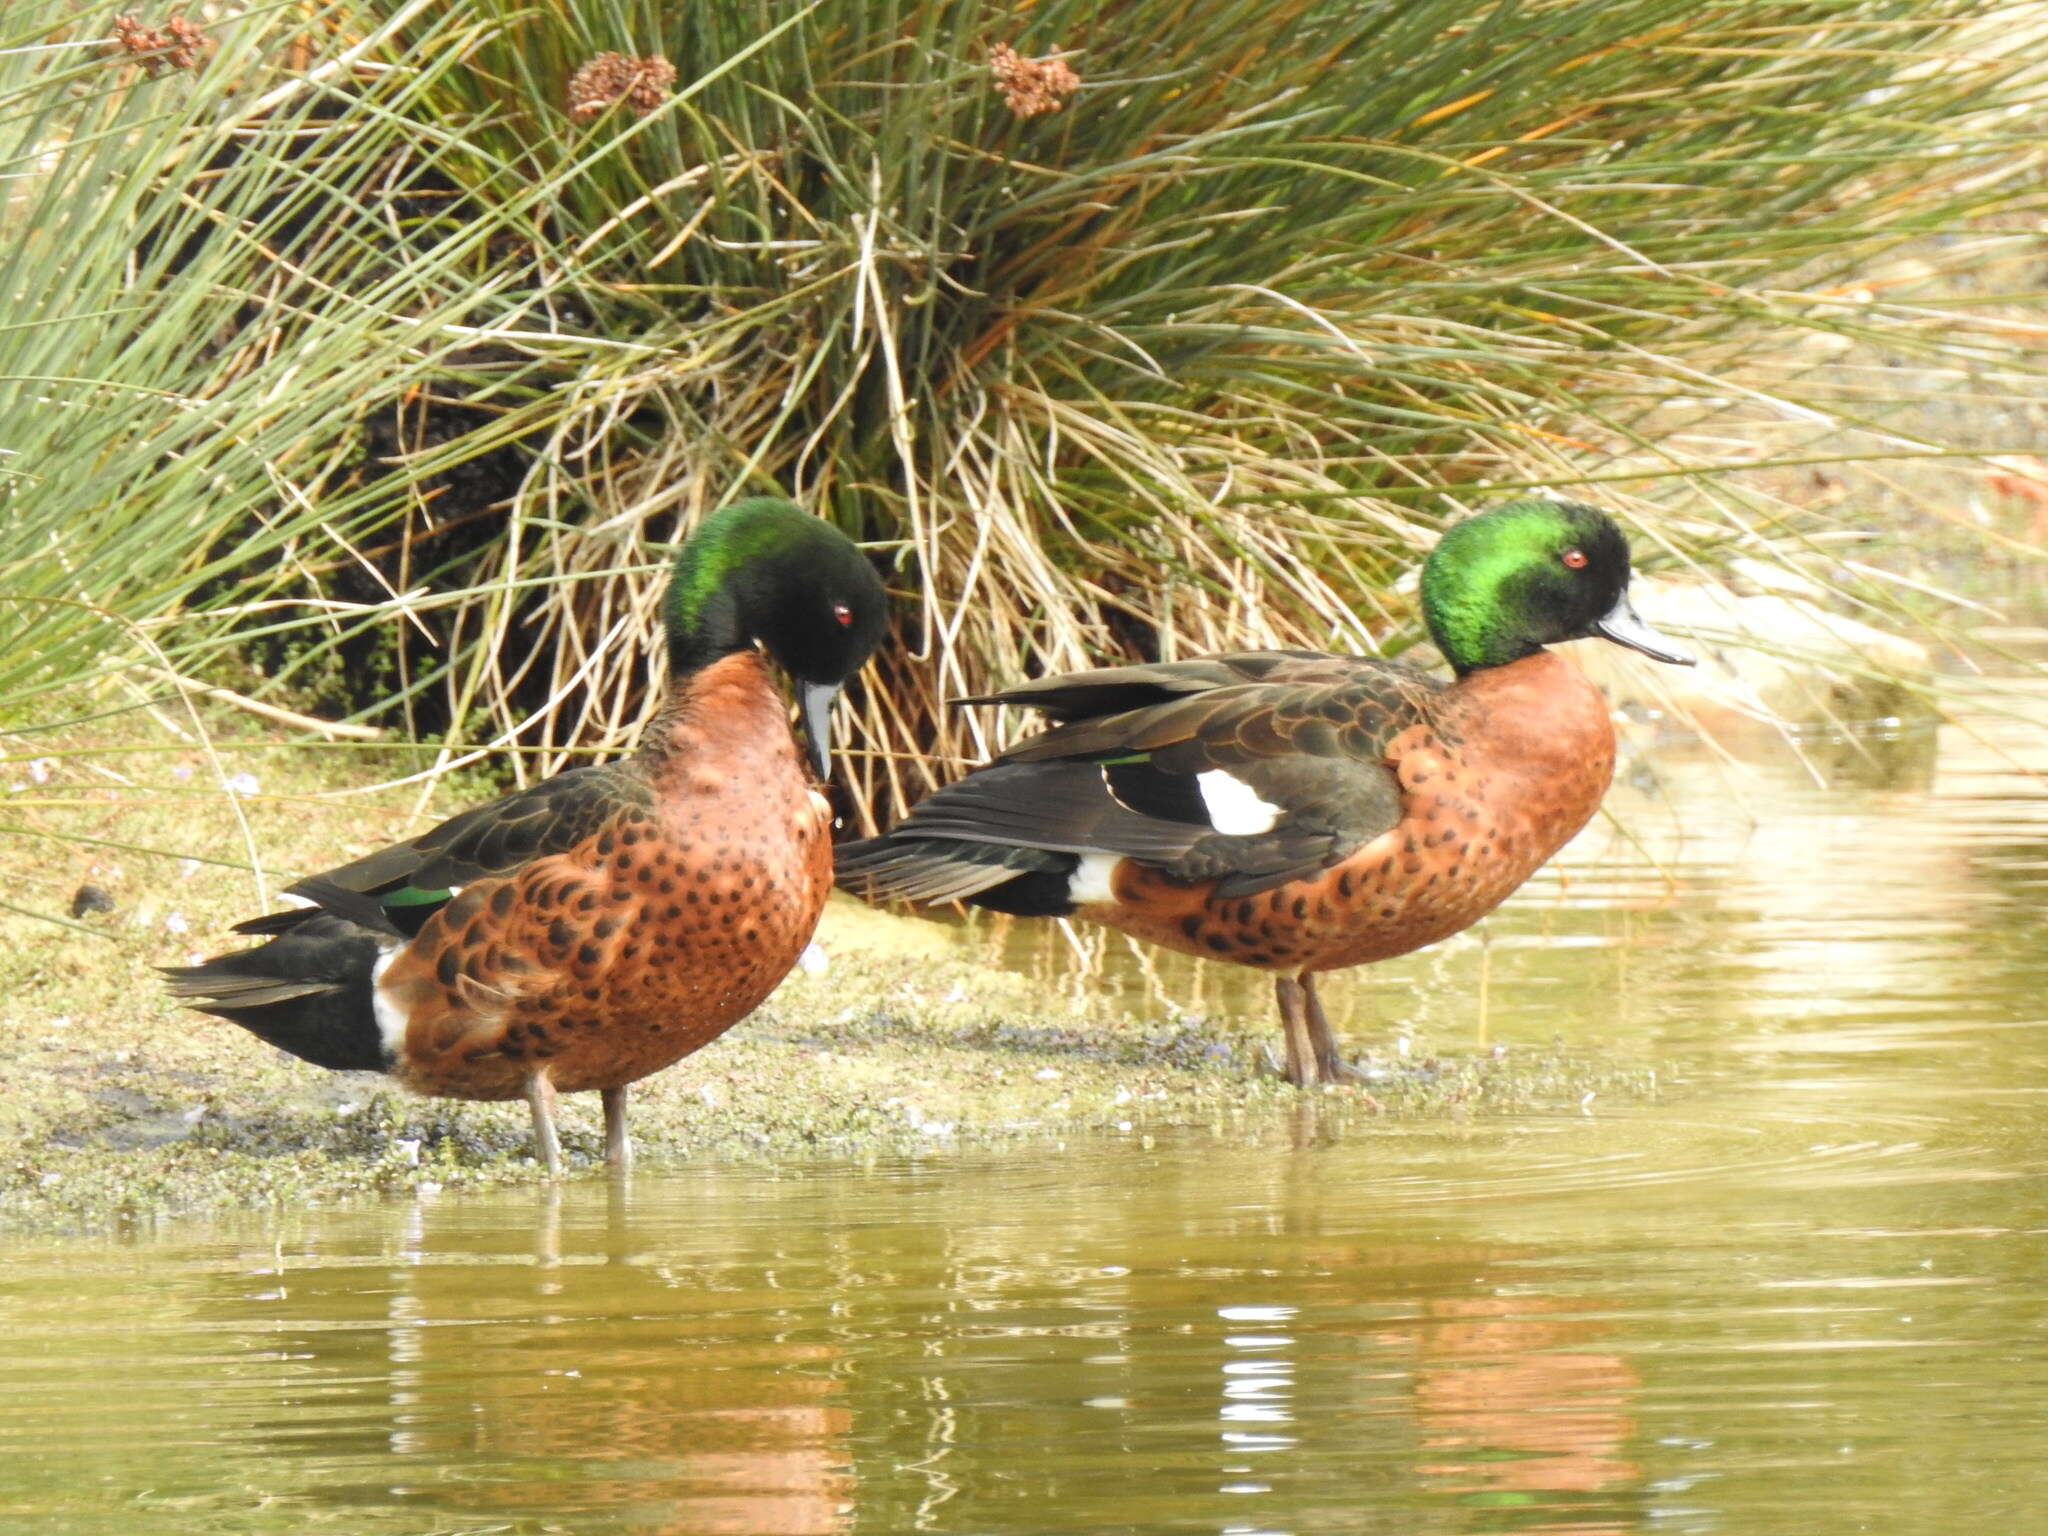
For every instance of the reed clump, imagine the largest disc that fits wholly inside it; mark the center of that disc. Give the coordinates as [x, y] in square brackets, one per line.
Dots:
[374, 358]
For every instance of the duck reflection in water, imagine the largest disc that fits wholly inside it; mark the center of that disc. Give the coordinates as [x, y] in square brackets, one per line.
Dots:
[1510, 1397]
[554, 1380]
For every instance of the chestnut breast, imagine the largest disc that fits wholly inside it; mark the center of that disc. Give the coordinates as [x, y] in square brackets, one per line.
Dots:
[618, 957]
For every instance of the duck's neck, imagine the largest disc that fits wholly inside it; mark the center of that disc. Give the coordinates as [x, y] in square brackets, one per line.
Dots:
[705, 629]
[729, 711]
[1539, 714]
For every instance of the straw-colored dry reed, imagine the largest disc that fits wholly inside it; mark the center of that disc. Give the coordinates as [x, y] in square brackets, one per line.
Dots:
[393, 340]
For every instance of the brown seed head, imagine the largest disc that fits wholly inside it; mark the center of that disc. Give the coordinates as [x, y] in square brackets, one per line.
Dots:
[1031, 86]
[177, 44]
[641, 83]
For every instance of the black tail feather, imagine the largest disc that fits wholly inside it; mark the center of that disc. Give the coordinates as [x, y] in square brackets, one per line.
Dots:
[1027, 882]
[324, 897]
[308, 991]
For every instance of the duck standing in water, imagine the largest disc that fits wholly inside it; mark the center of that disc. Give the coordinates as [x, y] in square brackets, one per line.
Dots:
[606, 922]
[1295, 811]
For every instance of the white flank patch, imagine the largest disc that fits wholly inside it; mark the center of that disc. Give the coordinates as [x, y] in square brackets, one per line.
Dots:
[1234, 807]
[1090, 879]
[391, 1020]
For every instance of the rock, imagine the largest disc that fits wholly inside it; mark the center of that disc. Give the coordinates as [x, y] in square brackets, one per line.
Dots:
[90, 898]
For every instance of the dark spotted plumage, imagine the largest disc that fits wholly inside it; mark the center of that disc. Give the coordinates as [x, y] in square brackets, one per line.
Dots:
[600, 925]
[1294, 811]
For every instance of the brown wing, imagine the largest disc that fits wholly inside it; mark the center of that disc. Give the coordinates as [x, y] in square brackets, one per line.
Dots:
[396, 889]
[1119, 690]
[1251, 770]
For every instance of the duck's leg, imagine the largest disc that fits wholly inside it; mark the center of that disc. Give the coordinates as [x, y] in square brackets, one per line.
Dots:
[1331, 1067]
[618, 1146]
[1293, 999]
[540, 1098]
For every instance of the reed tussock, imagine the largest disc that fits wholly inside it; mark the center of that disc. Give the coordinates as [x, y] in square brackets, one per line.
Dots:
[376, 357]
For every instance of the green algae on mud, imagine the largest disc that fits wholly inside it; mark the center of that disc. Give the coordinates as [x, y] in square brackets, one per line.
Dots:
[118, 1107]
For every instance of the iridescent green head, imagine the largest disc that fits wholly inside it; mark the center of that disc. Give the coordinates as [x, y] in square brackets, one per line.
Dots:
[1504, 584]
[763, 572]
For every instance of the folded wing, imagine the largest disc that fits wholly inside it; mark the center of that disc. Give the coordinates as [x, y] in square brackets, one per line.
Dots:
[1249, 770]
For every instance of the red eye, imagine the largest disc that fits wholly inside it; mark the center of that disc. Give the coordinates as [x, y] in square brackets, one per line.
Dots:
[1575, 559]
[844, 614]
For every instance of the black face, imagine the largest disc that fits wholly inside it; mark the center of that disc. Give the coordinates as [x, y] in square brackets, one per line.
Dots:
[817, 605]
[1581, 572]
[1592, 597]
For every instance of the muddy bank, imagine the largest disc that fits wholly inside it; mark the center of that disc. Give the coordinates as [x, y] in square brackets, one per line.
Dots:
[117, 1107]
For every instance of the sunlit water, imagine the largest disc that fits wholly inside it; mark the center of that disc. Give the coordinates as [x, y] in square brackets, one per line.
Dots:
[1805, 1290]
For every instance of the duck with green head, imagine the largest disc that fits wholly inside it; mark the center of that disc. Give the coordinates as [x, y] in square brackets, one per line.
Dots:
[606, 922]
[1300, 812]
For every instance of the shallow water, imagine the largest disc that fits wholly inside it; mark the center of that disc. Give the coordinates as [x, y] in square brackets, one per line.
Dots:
[1806, 1290]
